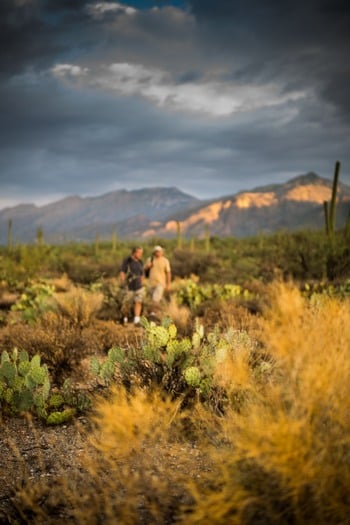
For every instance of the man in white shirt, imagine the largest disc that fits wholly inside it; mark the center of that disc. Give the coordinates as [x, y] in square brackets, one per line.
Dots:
[159, 274]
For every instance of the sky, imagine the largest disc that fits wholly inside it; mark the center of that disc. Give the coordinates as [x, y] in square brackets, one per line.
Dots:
[210, 96]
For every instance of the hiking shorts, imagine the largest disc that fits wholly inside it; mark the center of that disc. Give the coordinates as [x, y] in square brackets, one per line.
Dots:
[136, 296]
[157, 293]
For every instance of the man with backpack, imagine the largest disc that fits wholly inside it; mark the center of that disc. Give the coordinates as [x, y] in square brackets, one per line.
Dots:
[131, 275]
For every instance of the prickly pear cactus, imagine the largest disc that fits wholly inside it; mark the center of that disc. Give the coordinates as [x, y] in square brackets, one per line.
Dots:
[193, 376]
[24, 383]
[23, 400]
[193, 294]
[197, 335]
[107, 370]
[23, 368]
[161, 345]
[104, 371]
[4, 357]
[157, 336]
[56, 400]
[116, 354]
[176, 349]
[94, 365]
[34, 301]
[57, 418]
[172, 331]
[8, 373]
[38, 375]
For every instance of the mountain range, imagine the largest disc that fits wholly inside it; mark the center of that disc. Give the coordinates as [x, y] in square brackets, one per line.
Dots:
[158, 212]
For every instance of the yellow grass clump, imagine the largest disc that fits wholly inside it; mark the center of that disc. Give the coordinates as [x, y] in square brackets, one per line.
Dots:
[133, 470]
[79, 305]
[179, 314]
[287, 454]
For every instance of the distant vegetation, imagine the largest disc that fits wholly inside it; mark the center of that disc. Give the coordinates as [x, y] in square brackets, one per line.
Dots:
[301, 255]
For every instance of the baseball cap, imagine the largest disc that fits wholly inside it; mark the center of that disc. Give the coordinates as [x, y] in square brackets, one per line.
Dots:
[157, 249]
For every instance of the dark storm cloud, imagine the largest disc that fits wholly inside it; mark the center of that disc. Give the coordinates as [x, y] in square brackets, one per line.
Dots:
[62, 5]
[298, 43]
[19, 26]
[34, 32]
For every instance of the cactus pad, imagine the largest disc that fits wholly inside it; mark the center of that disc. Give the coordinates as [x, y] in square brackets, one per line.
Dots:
[57, 418]
[192, 376]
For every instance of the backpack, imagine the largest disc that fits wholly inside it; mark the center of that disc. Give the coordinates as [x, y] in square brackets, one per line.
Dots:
[130, 277]
[147, 271]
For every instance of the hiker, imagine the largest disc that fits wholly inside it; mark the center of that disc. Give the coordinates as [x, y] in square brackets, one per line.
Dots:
[131, 275]
[158, 269]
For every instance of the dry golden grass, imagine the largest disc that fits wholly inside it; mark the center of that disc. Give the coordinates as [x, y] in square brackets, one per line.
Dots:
[229, 314]
[61, 284]
[54, 337]
[78, 305]
[233, 371]
[64, 345]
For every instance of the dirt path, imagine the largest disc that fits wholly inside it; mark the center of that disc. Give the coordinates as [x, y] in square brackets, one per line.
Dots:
[30, 450]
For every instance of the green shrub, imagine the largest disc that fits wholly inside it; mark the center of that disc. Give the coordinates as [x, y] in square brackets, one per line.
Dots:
[34, 301]
[186, 366]
[192, 294]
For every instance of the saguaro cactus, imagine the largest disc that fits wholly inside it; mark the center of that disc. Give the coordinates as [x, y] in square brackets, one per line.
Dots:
[334, 197]
[207, 238]
[326, 216]
[329, 209]
[40, 236]
[9, 236]
[114, 240]
[347, 225]
[97, 244]
[179, 235]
